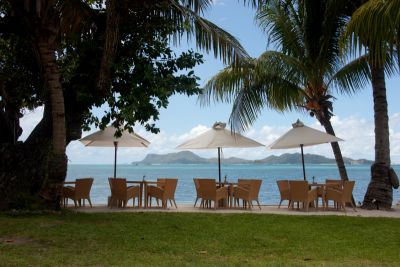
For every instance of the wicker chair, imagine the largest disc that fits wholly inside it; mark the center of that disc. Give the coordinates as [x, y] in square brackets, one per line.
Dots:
[341, 197]
[79, 193]
[247, 190]
[121, 193]
[210, 192]
[164, 191]
[198, 191]
[333, 184]
[283, 186]
[299, 192]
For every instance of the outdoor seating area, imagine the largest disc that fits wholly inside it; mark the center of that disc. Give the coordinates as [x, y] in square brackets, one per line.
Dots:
[243, 194]
[308, 194]
[78, 193]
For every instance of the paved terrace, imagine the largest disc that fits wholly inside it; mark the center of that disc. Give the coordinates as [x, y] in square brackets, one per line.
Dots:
[265, 209]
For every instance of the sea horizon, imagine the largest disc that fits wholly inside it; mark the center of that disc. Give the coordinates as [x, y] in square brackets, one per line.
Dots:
[185, 192]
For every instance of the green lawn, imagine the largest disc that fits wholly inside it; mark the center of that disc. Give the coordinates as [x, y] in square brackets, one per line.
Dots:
[176, 239]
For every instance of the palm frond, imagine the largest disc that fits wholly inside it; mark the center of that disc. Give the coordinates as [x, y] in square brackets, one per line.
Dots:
[279, 95]
[283, 27]
[207, 35]
[374, 27]
[352, 77]
[73, 15]
[271, 81]
[198, 6]
[224, 86]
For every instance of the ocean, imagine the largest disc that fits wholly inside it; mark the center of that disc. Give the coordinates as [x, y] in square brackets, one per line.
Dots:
[185, 192]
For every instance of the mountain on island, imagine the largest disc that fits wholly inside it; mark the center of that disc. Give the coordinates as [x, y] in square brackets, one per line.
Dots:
[187, 157]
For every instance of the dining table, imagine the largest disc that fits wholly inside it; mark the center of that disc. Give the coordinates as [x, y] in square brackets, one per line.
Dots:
[142, 190]
[321, 191]
[231, 190]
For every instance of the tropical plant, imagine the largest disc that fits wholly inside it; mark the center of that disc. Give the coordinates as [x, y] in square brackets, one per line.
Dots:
[374, 30]
[88, 54]
[300, 75]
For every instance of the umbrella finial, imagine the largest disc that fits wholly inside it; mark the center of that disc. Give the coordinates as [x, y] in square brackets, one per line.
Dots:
[219, 125]
[298, 123]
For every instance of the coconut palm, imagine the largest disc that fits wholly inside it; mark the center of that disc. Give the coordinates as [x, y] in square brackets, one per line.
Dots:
[374, 30]
[47, 23]
[301, 75]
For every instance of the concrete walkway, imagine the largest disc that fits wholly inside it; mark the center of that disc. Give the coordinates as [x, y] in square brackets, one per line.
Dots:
[394, 213]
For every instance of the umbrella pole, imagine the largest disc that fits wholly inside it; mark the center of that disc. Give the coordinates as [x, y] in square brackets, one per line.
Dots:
[219, 165]
[115, 158]
[302, 161]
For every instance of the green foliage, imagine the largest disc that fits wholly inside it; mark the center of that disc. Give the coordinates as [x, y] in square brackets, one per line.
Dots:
[146, 70]
[179, 239]
[302, 74]
[374, 29]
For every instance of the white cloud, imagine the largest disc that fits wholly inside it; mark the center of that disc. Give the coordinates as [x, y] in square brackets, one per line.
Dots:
[357, 132]
[29, 121]
[218, 3]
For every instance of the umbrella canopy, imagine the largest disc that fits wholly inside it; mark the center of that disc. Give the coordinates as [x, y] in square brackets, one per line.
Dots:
[106, 138]
[300, 136]
[219, 137]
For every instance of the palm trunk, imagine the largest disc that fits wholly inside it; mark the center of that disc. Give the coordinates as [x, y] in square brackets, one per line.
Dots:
[58, 163]
[379, 194]
[335, 147]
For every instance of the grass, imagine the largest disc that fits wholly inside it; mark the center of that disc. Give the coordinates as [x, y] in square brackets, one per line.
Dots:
[184, 239]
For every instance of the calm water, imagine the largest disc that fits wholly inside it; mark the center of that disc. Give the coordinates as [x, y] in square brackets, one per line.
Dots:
[185, 192]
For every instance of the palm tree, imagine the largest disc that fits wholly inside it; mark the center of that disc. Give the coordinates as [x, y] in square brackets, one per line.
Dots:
[301, 75]
[374, 29]
[47, 23]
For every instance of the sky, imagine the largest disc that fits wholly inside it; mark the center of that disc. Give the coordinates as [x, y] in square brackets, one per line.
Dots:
[185, 118]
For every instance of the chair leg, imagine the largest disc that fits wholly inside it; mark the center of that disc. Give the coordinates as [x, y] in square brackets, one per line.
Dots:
[75, 203]
[258, 203]
[197, 198]
[90, 202]
[279, 206]
[175, 203]
[352, 205]
[290, 202]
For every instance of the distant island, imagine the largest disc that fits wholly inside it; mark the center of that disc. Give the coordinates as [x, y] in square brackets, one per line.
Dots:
[187, 157]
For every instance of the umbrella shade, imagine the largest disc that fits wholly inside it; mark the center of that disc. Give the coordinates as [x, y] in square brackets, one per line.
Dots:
[218, 137]
[300, 136]
[106, 138]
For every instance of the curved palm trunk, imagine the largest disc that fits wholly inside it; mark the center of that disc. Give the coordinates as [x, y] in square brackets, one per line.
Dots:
[379, 194]
[58, 164]
[335, 147]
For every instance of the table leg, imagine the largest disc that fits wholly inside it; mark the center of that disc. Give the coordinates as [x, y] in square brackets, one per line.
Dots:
[230, 195]
[140, 195]
[145, 195]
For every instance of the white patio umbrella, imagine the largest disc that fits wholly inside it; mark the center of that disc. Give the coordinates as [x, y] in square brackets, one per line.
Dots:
[300, 136]
[218, 137]
[106, 138]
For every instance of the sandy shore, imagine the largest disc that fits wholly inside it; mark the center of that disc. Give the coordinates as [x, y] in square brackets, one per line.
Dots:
[394, 213]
